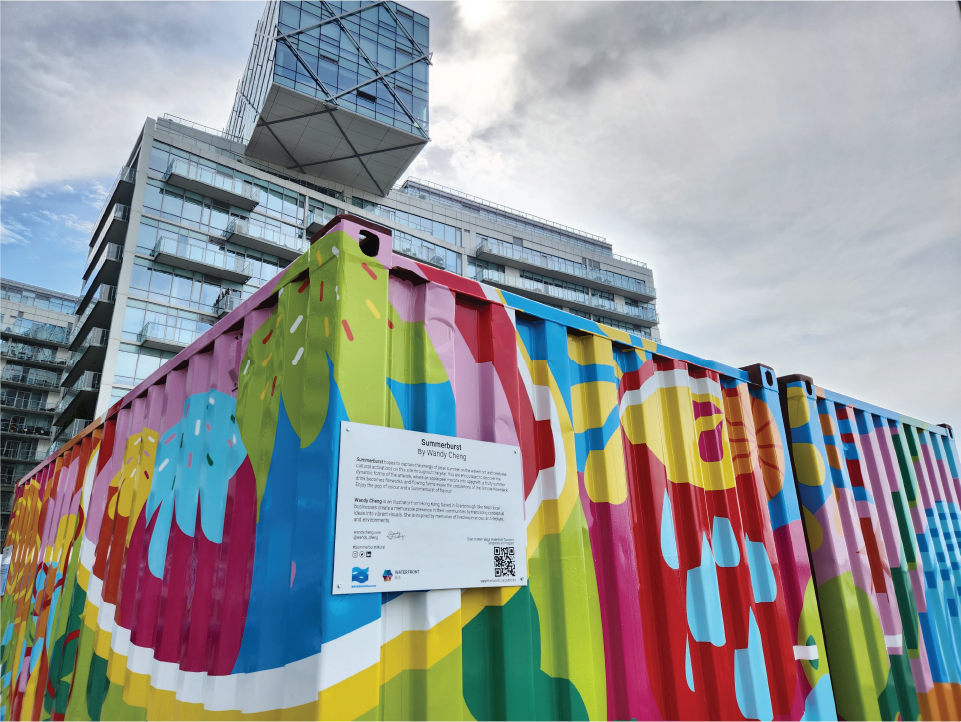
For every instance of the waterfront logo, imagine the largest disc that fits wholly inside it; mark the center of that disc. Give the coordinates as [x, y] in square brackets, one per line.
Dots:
[359, 575]
[387, 575]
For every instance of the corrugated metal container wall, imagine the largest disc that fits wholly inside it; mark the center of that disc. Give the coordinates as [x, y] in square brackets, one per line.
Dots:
[175, 560]
[879, 494]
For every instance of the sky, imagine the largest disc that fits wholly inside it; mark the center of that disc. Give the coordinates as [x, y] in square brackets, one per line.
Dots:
[790, 172]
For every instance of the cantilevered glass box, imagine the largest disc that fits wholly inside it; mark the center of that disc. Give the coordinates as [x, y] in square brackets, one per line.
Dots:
[336, 89]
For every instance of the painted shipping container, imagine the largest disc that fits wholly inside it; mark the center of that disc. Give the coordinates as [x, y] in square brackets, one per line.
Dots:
[879, 494]
[175, 559]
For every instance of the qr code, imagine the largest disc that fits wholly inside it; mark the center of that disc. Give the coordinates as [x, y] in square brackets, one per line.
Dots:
[504, 562]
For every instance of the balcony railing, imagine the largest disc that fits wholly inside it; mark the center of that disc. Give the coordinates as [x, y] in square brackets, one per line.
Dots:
[203, 258]
[89, 381]
[213, 183]
[97, 338]
[8, 426]
[419, 252]
[31, 354]
[113, 253]
[104, 294]
[317, 220]
[127, 174]
[27, 404]
[30, 378]
[273, 238]
[565, 294]
[23, 454]
[570, 268]
[162, 336]
[226, 304]
[65, 433]
[54, 334]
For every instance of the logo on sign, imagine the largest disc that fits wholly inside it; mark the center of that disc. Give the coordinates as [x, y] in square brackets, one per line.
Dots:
[387, 575]
[359, 575]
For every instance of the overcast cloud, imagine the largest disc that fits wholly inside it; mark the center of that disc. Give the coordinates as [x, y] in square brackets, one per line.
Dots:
[791, 172]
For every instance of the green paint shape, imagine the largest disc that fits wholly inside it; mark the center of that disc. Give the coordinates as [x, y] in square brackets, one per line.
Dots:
[502, 675]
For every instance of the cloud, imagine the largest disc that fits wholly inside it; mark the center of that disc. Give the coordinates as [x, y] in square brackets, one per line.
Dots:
[13, 233]
[790, 171]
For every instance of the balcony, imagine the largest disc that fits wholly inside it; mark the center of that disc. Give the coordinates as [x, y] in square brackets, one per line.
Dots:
[166, 338]
[419, 252]
[81, 397]
[121, 193]
[88, 356]
[114, 229]
[208, 182]
[534, 261]
[46, 333]
[31, 455]
[226, 304]
[98, 314]
[34, 355]
[105, 270]
[40, 407]
[317, 220]
[199, 258]
[24, 430]
[33, 378]
[262, 238]
[63, 435]
[546, 293]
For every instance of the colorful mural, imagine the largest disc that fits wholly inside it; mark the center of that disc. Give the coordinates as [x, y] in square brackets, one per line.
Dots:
[175, 560]
[879, 498]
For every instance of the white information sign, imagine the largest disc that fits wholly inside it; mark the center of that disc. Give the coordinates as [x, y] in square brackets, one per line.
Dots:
[423, 511]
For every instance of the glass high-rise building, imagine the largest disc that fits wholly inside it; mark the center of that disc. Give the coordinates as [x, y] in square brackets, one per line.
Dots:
[330, 112]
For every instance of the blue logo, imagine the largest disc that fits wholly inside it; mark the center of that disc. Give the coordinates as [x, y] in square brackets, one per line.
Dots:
[359, 575]
[387, 575]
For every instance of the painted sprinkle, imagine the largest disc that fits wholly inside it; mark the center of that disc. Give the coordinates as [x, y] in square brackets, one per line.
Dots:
[321, 291]
[267, 360]
[303, 286]
[165, 462]
[326, 327]
[267, 337]
[212, 403]
[333, 249]
[246, 367]
[390, 324]
[190, 459]
[279, 319]
[264, 392]
[373, 308]
[370, 272]
[210, 462]
[274, 387]
[320, 261]
[197, 428]
[296, 323]
[350, 335]
[300, 352]
[208, 426]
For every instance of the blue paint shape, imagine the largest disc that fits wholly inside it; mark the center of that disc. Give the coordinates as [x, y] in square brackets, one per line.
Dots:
[688, 670]
[582, 374]
[596, 439]
[7, 633]
[862, 494]
[819, 704]
[668, 540]
[286, 623]
[762, 573]
[547, 341]
[426, 407]
[185, 452]
[726, 551]
[783, 508]
[750, 676]
[36, 653]
[704, 616]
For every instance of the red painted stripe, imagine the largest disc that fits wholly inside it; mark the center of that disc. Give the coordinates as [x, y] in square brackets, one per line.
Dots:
[367, 268]
[267, 337]
[303, 286]
[350, 335]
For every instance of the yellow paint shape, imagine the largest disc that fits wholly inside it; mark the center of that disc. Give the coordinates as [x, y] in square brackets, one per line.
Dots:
[373, 308]
[420, 649]
[813, 528]
[326, 328]
[604, 477]
[808, 464]
[267, 360]
[798, 407]
[279, 318]
[320, 261]
[827, 424]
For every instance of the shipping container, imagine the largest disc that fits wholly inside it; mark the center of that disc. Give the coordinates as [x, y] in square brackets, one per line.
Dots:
[879, 494]
[174, 560]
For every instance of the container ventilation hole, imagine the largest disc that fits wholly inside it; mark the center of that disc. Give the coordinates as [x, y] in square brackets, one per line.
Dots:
[369, 243]
[769, 377]
[810, 389]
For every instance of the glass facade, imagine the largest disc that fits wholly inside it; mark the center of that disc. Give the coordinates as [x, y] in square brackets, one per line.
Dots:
[451, 234]
[367, 57]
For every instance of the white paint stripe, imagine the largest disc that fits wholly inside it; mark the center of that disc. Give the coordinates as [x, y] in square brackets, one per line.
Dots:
[197, 428]
[806, 652]
[246, 367]
[300, 352]
[165, 462]
[893, 640]
[296, 323]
